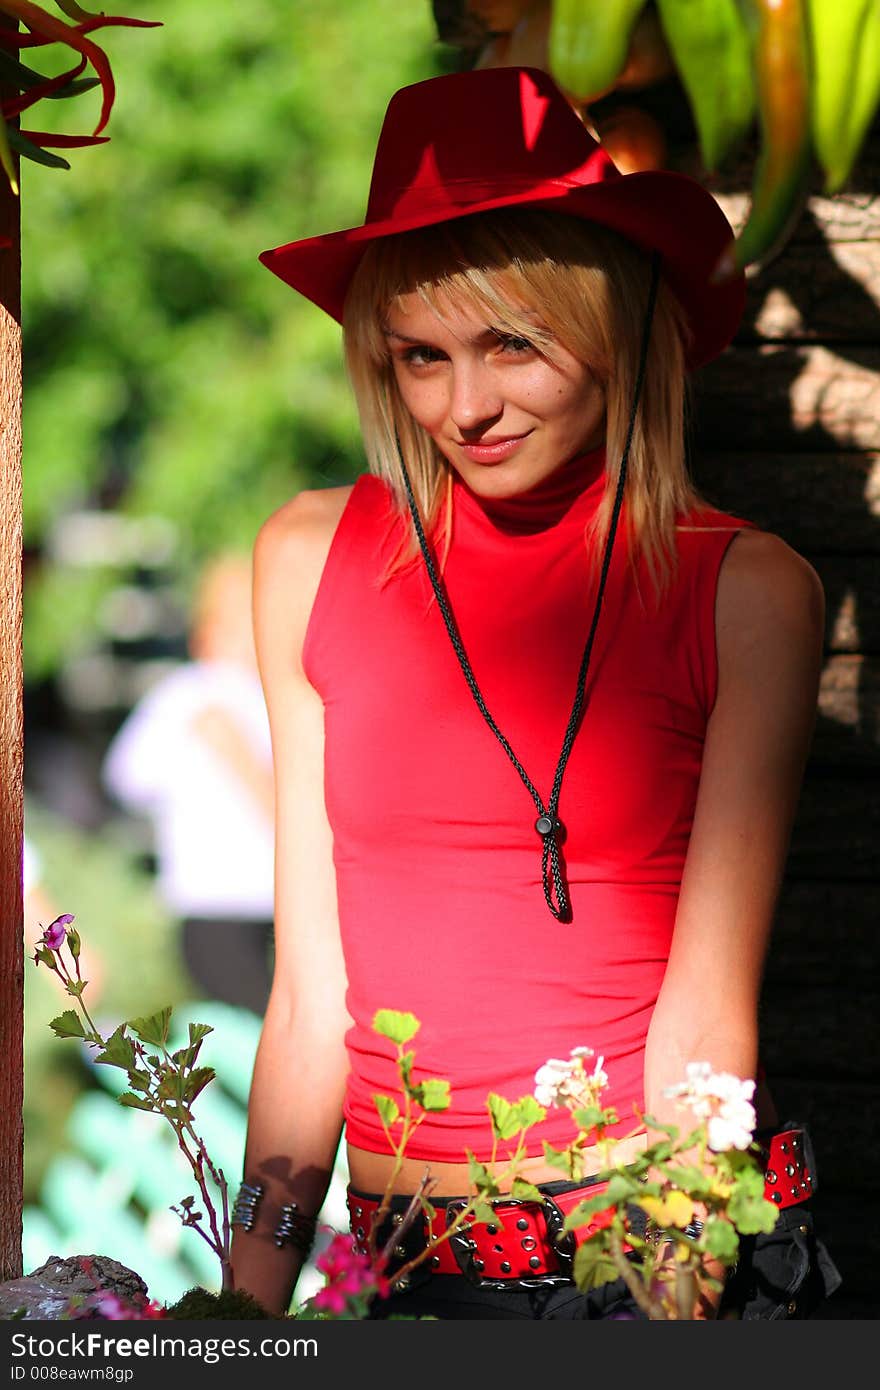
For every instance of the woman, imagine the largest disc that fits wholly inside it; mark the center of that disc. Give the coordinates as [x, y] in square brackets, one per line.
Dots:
[530, 843]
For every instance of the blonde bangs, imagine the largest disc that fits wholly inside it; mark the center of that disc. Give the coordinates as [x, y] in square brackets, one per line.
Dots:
[590, 288]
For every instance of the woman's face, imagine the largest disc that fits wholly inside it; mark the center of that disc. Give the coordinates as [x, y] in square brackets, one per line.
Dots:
[503, 414]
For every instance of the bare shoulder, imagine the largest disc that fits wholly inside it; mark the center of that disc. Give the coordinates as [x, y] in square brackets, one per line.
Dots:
[290, 552]
[767, 591]
[302, 528]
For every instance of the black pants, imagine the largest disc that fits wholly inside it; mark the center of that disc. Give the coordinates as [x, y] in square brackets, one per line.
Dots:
[785, 1274]
[230, 959]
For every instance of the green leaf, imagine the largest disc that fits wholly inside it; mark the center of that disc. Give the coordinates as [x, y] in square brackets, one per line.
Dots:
[660, 1152]
[75, 11]
[621, 1188]
[399, 1027]
[480, 1176]
[712, 50]
[68, 1025]
[135, 1102]
[23, 78]
[139, 1080]
[670, 1130]
[118, 1051]
[17, 75]
[29, 150]
[751, 1214]
[721, 1239]
[432, 1094]
[169, 1084]
[387, 1108]
[196, 1082]
[569, 1163]
[74, 88]
[589, 43]
[529, 1112]
[487, 1215]
[153, 1029]
[197, 1031]
[505, 1123]
[526, 1191]
[690, 1178]
[585, 1211]
[591, 1116]
[593, 1267]
[173, 1111]
[405, 1063]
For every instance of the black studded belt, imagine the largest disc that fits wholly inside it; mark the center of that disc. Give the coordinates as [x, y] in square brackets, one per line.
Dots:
[527, 1246]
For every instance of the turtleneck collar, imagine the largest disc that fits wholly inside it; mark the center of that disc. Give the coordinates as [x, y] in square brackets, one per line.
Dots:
[570, 487]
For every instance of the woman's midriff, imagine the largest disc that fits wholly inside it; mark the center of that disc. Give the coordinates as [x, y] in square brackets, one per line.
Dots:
[370, 1172]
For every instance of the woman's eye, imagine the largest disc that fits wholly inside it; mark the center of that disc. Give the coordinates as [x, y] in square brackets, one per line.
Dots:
[421, 355]
[511, 343]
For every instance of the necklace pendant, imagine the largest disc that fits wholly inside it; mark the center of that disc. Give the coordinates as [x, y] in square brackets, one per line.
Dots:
[545, 825]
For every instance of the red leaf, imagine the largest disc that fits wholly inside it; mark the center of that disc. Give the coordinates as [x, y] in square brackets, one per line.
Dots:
[47, 29]
[46, 140]
[15, 105]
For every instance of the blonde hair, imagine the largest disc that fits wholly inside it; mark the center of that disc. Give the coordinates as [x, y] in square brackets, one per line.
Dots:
[591, 288]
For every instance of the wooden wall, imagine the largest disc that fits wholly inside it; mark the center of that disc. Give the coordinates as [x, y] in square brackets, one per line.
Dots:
[787, 433]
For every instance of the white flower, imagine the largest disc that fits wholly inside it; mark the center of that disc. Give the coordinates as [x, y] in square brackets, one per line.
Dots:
[567, 1083]
[722, 1100]
[731, 1130]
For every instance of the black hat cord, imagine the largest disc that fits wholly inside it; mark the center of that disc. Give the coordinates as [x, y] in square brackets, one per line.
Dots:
[548, 825]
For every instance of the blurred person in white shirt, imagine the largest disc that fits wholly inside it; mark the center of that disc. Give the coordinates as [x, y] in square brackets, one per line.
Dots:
[194, 756]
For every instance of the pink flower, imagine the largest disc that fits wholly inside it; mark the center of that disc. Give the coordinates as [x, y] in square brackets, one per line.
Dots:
[350, 1276]
[330, 1299]
[54, 935]
[103, 1303]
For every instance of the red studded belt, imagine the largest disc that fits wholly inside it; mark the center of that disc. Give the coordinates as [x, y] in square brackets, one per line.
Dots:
[527, 1243]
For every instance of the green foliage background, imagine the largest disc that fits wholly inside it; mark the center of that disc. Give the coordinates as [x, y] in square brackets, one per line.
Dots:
[166, 371]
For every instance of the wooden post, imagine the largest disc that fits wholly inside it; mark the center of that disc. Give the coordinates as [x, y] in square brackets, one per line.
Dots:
[11, 736]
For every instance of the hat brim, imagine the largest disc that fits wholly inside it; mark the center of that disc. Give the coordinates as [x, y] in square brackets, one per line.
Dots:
[656, 210]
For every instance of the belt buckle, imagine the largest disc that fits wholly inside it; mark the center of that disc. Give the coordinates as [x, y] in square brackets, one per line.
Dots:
[563, 1241]
[464, 1247]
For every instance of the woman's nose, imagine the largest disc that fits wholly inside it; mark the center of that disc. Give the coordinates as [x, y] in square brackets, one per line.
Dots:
[476, 400]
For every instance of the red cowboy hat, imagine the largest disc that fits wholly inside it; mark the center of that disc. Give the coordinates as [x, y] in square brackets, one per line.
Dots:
[506, 137]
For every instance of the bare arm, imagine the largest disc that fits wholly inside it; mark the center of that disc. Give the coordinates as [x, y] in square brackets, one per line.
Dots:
[295, 1107]
[770, 630]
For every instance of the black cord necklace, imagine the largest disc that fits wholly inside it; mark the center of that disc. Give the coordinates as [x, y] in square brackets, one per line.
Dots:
[548, 825]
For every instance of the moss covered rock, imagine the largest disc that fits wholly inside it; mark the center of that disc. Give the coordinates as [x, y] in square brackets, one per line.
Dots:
[199, 1303]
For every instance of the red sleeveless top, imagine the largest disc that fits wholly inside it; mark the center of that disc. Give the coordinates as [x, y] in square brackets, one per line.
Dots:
[438, 863]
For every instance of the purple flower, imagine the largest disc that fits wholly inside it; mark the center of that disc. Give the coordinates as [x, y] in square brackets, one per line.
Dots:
[54, 935]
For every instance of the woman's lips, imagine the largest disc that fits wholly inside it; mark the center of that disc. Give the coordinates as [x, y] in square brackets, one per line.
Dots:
[493, 452]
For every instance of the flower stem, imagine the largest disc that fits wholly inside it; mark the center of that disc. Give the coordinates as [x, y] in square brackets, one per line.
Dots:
[633, 1282]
